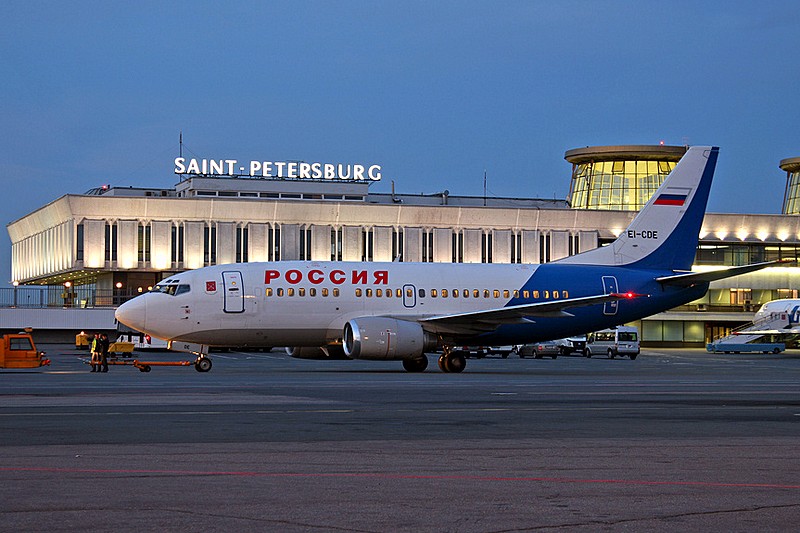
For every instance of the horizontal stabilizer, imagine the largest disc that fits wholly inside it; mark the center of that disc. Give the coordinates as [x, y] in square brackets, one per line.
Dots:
[691, 278]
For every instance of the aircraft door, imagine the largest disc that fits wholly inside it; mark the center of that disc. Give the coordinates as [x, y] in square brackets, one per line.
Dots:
[609, 286]
[409, 295]
[234, 292]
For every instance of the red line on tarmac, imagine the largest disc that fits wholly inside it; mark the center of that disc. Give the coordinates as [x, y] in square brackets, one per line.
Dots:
[385, 475]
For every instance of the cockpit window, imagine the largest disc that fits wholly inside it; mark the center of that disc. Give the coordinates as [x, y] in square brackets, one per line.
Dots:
[172, 290]
[181, 289]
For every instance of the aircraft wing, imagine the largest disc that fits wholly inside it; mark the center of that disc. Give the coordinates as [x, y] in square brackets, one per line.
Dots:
[690, 278]
[488, 320]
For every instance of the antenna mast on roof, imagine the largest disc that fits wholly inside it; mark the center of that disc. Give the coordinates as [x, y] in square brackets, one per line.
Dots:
[180, 144]
[484, 187]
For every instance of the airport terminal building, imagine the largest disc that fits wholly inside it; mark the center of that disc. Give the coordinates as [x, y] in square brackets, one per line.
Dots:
[109, 244]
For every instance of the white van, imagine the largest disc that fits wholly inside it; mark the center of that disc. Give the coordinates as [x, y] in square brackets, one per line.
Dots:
[621, 340]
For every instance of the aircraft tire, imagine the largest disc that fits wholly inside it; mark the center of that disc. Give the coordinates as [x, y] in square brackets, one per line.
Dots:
[455, 362]
[203, 364]
[418, 364]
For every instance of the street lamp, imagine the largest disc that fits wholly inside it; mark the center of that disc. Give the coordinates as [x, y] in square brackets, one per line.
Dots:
[15, 283]
[118, 293]
[67, 292]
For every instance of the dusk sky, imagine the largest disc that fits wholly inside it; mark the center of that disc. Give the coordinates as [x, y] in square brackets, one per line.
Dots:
[435, 92]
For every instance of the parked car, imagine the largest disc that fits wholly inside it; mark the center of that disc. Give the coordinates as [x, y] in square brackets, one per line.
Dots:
[538, 350]
[479, 352]
[572, 344]
[502, 351]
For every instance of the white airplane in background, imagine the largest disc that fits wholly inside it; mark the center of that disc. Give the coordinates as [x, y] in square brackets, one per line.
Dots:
[781, 317]
[400, 311]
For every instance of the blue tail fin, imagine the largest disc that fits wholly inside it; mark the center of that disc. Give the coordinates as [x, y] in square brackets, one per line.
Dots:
[664, 234]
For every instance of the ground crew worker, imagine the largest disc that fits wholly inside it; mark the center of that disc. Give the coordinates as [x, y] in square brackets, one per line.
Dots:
[103, 353]
[95, 347]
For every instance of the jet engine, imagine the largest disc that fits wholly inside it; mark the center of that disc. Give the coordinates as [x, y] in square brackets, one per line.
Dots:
[385, 339]
[313, 352]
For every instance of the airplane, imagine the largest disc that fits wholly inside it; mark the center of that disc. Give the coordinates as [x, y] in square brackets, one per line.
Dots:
[777, 317]
[401, 311]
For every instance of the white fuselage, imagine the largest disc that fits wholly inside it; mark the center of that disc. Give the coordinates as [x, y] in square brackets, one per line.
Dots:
[308, 303]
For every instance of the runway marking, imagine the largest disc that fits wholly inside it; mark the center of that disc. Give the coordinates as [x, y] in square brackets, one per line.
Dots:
[389, 476]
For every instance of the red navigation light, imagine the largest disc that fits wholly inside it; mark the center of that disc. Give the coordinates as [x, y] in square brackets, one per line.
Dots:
[629, 295]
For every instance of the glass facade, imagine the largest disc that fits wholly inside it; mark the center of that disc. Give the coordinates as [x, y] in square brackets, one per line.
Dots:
[791, 198]
[618, 185]
[743, 253]
[620, 178]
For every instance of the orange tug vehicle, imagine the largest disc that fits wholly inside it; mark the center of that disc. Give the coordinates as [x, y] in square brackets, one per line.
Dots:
[18, 351]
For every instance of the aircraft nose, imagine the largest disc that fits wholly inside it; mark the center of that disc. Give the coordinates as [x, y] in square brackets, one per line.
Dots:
[133, 313]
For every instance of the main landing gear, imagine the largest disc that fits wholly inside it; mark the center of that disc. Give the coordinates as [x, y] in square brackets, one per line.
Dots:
[452, 361]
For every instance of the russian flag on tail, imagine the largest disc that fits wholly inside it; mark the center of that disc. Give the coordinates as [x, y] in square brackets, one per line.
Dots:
[670, 199]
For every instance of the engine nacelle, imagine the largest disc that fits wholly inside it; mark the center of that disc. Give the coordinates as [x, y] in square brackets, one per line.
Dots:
[385, 339]
[314, 352]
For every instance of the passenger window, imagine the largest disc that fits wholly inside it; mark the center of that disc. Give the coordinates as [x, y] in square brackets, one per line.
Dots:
[444, 293]
[280, 292]
[516, 293]
[312, 292]
[268, 292]
[325, 292]
[399, 293]
[422, 293]
[410, 293]
[505, 293]
[433, 293]
[475, 293]
[527, 294]
[289, 292]
[566, 294]
[485, 293]
[358, 293]
[465, 293]
[369, 293]
[336, 292]
[535, 294]
[388, 293]
[378, 292]
[547, 294]
[301, 292]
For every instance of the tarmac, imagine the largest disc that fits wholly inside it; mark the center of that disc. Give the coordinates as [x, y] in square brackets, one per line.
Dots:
[677, 440]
